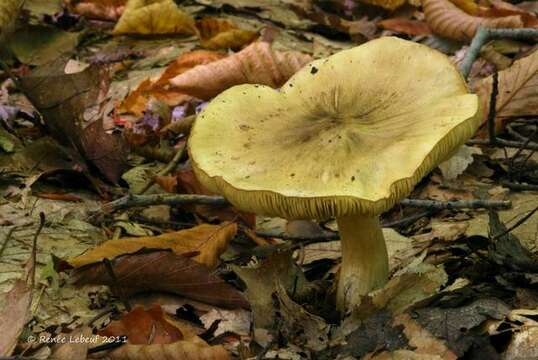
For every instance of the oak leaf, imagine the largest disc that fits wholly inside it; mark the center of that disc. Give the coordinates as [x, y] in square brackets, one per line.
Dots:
[152, 17]
[518, 91]
[209, 240]
[97, 9]
[223, 34]
[151, 335]
[159, 89]
[258, 63]
[446, 19]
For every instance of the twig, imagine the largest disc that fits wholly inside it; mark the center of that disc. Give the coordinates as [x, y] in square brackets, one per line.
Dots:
[483, 35]
[500, 143]
[167, 169]
[6, 240]
[34, 246]
[163, 199]
[518, 223]
[182, 199]
[519, 186]
[492, 111]
[458, 204]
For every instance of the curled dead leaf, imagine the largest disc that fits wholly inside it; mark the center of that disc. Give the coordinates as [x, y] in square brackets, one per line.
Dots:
[158, 89]
[210, 241]
[223, 34]
[258, 63]
[446, 19]
[154, 17]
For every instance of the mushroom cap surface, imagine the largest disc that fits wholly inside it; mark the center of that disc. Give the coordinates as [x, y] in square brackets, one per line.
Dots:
[349, 134]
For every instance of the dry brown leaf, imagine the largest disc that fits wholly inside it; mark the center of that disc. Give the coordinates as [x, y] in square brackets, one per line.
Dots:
[446, 19]
[162, 271]
[14, 315]
[152, 17]
[97, 9]
[469, 6]
[209, 240]
[405, 26]
[137, 100]
[151, 335]
[258, 63]
[422, 340]
[518, 91]
[223, 34]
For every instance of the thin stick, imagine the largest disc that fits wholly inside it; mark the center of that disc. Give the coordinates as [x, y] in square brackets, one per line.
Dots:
[501, 143]
[519, 186]
[458, 204]
[167, 169]
[483, 35]
[34, 246]
[493, 108]
[518, 223]
[182, 199]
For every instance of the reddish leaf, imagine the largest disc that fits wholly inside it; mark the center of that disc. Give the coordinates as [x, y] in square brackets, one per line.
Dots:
[144, 327]
[405, 26]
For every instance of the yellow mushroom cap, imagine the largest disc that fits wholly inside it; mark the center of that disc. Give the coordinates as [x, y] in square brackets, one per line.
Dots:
[349, 134]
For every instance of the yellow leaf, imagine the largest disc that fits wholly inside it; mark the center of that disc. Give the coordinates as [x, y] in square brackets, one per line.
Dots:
[518, 91]
[9, 10]
[469, 6]
[209, 240]
[258, 63]
[148, 17]
[386, 4]
[223, 34]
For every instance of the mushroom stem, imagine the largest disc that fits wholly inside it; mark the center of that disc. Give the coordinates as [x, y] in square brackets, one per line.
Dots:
[364, 259]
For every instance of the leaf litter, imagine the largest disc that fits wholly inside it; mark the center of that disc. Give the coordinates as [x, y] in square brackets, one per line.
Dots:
[105, 97]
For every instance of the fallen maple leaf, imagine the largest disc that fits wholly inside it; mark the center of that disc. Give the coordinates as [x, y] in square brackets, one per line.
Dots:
[166, 272]
[223, 34]
[209, 240]
[405, 26]
[97, 9]
[446, 19]
[159, 89]
[154, 17]
[518, 91]
[151, 335]
[258, 63]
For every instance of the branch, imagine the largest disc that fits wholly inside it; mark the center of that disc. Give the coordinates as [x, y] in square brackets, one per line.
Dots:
[483, 35]
[183, 199]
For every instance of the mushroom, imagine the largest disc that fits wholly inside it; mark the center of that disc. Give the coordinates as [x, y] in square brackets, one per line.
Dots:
[346, 137]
